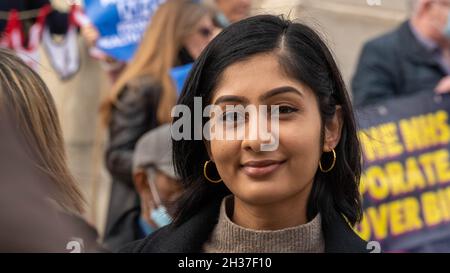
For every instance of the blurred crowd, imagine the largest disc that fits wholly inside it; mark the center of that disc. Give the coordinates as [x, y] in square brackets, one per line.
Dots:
[136, 111]
[41, 207]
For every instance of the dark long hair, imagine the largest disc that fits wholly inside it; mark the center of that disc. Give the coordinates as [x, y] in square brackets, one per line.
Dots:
[304, 57]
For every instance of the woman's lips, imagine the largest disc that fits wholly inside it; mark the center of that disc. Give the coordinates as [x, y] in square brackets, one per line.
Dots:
[261, 168]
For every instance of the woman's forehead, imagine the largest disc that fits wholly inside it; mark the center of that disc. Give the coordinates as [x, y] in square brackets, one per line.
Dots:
[253, 77]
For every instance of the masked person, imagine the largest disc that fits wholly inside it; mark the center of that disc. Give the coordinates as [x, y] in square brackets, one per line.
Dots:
[413, 58]
[142, 99]
[155, 179]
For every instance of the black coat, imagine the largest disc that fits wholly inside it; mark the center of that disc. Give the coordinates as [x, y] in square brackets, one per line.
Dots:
[393, 65]
[191, 235]
[133, 115]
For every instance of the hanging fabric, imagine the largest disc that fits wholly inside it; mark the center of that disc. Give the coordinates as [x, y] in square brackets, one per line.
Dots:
[64, 56]
[14, 36]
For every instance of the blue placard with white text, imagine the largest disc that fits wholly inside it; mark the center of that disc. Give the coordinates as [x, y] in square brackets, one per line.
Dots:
[121, 24]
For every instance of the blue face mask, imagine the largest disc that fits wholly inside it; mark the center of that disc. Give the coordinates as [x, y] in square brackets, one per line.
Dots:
[145, 227]
[160, 216]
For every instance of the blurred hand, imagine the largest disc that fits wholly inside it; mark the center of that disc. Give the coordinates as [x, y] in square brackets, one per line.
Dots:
[443, 86]
[90, 34]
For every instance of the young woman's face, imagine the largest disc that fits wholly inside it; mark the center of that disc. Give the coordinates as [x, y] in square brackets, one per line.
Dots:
[264, 177]
[203, 33]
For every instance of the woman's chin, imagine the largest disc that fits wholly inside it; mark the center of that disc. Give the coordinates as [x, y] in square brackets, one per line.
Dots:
[260, 194]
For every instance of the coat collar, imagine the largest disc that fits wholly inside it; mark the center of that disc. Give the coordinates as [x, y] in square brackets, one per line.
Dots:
[414, 49]
[340, 237]
[191, 235]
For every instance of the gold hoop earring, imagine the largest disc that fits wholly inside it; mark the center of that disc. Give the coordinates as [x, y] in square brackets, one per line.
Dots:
[206, 176]
[332, 165]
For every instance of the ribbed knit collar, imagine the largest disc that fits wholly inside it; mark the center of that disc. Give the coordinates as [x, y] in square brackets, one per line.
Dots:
[228, 237]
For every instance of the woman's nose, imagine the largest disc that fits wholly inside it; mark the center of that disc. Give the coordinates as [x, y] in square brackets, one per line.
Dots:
[258, 134]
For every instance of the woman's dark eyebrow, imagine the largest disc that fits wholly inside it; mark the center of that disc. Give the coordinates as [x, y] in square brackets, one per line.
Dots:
[271, 93]
[280, 90]
[231, 98]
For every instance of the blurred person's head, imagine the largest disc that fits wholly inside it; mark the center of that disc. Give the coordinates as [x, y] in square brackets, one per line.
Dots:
[234, 10]
[178, 32]
[25, 98]
[155, 179]
[40, 204]
[268, 61]
[432, 19]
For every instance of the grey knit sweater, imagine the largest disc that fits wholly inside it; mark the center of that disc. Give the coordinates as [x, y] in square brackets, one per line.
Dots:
[227, 237]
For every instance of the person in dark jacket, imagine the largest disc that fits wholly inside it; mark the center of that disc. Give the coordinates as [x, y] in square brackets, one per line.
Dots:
[135, 115]
[291, 189]
[142, 99]
[413, 58]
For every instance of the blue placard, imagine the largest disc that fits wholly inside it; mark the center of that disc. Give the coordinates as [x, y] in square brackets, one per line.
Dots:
[121, 24]
[179, 75]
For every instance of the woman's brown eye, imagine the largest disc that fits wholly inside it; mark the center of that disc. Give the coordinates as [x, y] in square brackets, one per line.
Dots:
[284, 109]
